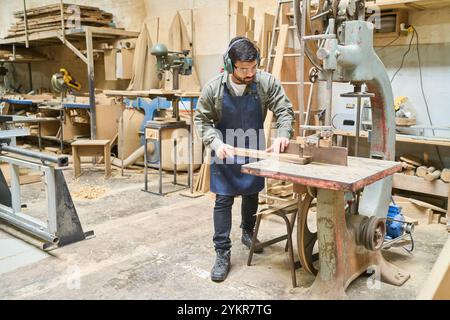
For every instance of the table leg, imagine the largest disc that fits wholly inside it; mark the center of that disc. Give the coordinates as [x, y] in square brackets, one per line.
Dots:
[160, 161]
[76, 162]
[145, 165]
[448, 209]
[175, 161]
[61, 141]
[107, 153]
[191, 158]
[39, 137]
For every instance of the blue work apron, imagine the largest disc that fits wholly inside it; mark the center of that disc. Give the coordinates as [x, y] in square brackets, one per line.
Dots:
[238, 113]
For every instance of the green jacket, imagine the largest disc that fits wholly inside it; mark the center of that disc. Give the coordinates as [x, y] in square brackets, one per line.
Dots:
[272, 97]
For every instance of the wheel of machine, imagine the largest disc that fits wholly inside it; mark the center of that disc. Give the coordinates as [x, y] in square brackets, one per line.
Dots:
[306, 239]
[375, 233]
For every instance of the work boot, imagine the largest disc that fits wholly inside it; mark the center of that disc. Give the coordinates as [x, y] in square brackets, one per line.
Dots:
[247, 237]
[222, 265]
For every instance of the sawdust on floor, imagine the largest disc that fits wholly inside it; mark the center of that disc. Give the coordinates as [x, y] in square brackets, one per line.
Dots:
[89, 193]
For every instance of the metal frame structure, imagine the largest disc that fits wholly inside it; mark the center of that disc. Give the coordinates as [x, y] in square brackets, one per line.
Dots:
[63, 226]
[65, 37]
[157, 129]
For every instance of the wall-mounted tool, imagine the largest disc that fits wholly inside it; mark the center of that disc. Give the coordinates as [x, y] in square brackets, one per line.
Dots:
[63, 82]
[177, 62]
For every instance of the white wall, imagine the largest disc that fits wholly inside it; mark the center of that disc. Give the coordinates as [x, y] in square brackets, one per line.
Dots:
[210, 28]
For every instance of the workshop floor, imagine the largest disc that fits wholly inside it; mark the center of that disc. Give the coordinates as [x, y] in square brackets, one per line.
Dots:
[151, 247]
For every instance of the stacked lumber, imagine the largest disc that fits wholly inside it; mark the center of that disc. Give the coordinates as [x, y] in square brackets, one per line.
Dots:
[413, 166]
[280, 189]
[48, 18]
[243, 26]
[22, 55]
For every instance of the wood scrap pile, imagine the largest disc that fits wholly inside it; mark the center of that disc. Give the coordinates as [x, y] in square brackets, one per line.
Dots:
[412, 166]
[79, 116]
[48, 18]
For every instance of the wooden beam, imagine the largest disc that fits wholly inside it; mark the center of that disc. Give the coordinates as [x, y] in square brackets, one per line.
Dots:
[416, 184]
[276, 72]
[262, 155]
[437, 286]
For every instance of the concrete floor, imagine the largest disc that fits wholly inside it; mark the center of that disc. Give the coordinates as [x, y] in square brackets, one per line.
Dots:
[150, 247]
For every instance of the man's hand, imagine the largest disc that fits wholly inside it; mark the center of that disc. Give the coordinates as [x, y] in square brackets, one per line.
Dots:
[225, 151]
[279, 145]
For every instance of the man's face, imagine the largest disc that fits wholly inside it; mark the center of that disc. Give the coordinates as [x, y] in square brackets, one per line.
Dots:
[245, 71]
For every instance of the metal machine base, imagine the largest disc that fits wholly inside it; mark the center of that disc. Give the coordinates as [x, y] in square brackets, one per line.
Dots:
[341, 258]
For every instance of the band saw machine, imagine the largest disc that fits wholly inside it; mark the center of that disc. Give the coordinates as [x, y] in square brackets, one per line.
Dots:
[353, 194]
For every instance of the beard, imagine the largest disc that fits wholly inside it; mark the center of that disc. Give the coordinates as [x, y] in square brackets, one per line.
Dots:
[244, 80]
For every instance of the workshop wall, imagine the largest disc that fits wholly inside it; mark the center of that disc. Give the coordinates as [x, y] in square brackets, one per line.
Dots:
[210, 28]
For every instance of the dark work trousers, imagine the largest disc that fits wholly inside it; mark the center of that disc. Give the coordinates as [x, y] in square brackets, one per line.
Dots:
[222, 218]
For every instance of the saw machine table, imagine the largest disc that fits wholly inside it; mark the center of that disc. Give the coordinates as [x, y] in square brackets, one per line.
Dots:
[342, 255]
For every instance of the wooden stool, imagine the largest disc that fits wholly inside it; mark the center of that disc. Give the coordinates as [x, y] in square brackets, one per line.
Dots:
[91, 148]
[282, 211]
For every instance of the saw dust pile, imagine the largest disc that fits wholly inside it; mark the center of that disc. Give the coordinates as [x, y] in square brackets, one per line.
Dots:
[89, 193]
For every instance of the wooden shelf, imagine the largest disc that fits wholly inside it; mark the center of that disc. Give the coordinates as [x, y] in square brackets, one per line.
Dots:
[74, 34]
[420, 185]
[408, 4]
[402, 138]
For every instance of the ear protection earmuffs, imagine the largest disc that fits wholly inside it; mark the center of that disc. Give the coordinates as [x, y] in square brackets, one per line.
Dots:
[229, 65]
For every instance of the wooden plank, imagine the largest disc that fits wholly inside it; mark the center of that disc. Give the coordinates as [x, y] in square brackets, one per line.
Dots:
[266, 34]
[427, 205]
[108, 117]
[250, 19]
[276, 71]
[416, 184]
[56, 9]
[408, 166]
[437, 286]
[408, 4]
[144, 93]
[238, 25]
[283, 157]
[240, 7]
[401, 138]
[110, 65]
[90, 143]
[332, 155]
[411, 160]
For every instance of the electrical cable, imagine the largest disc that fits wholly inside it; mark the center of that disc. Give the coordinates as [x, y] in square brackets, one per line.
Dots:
[416, 34]
[412, 245]
[378, 50]
[404, 57]
[423, 92]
